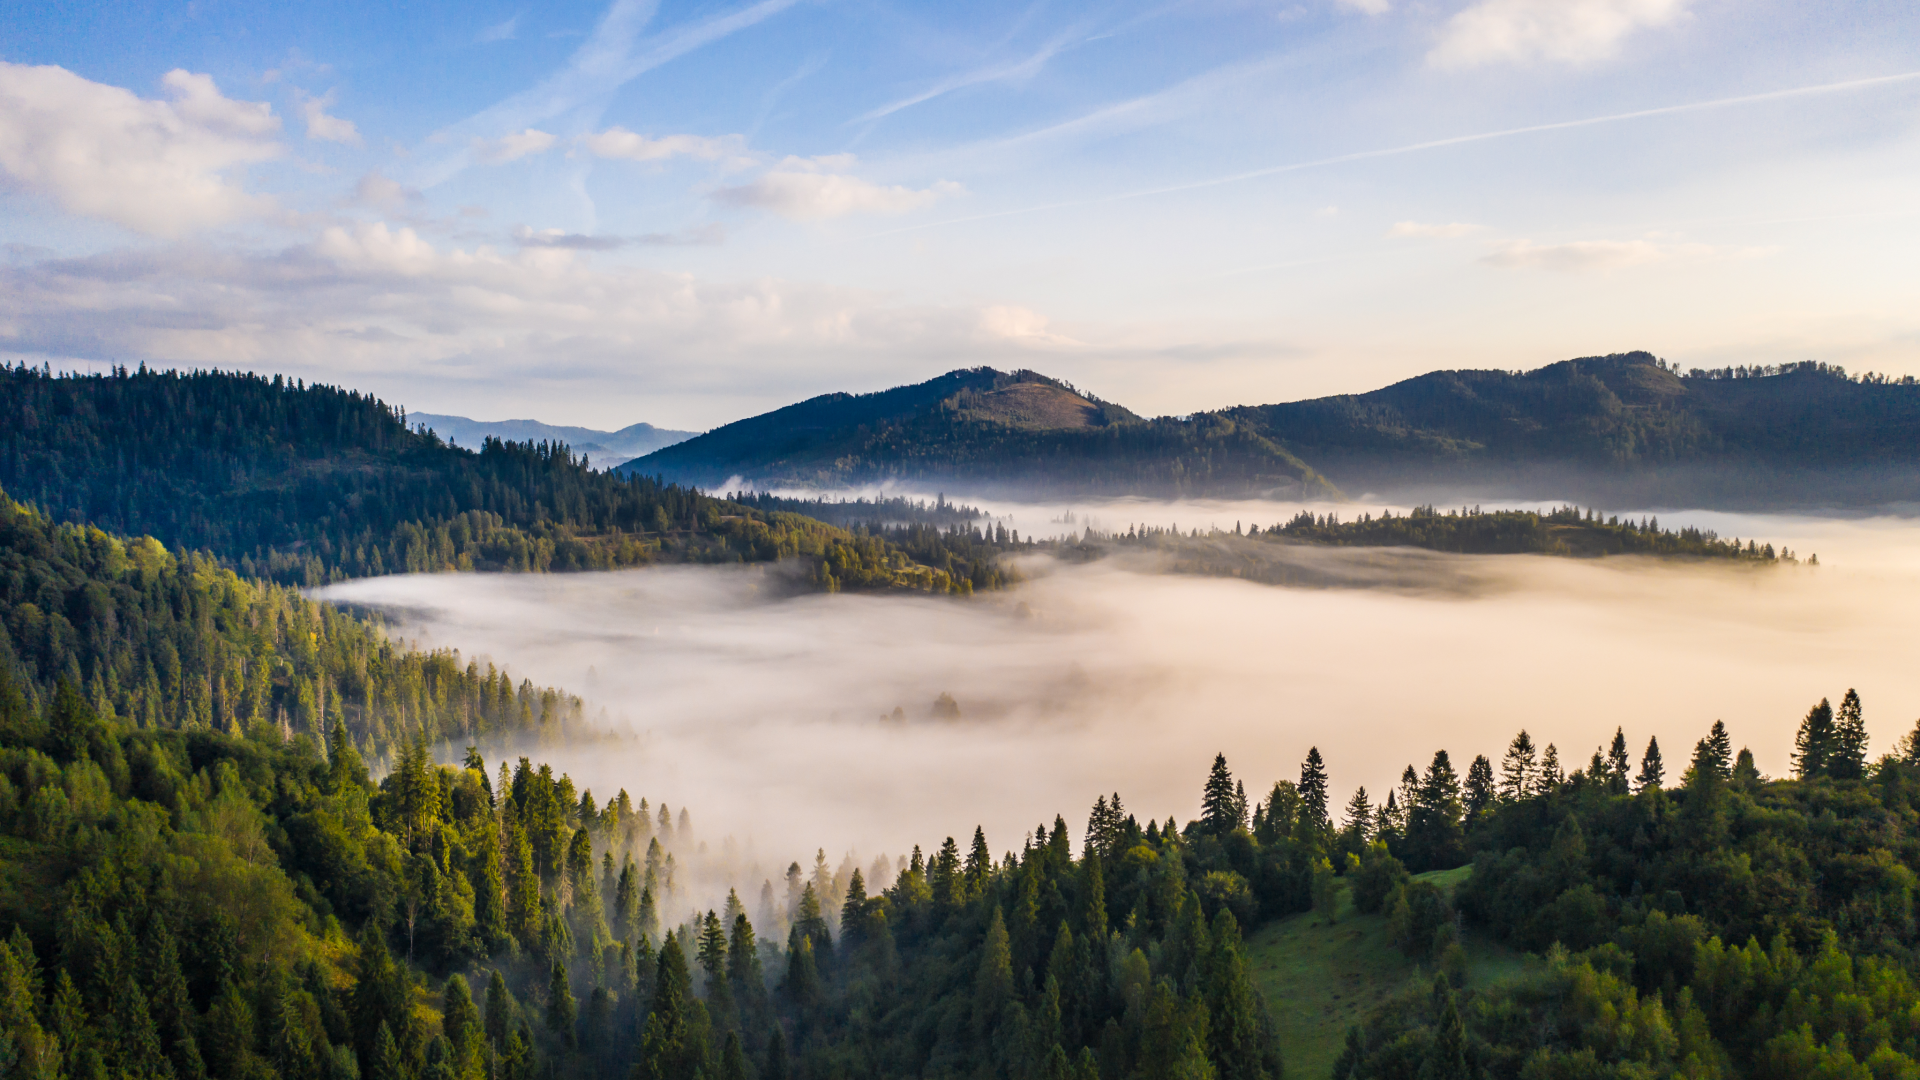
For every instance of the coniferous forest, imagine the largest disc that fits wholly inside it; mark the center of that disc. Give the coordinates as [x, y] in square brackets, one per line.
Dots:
[245, 835]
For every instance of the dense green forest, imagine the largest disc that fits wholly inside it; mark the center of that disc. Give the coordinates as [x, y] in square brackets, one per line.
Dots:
[1019, 431]
[1626, 428]
[1564, 530]
[305, 484]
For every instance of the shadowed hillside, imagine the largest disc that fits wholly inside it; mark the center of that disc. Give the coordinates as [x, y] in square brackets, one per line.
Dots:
[991, 431]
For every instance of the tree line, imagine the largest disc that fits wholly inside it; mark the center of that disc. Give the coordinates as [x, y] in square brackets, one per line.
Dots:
[305, 484]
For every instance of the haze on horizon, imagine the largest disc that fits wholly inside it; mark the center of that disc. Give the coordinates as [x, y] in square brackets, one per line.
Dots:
[608, 212]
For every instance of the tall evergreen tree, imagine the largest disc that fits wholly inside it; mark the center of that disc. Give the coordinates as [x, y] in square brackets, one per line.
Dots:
[1849, 758]
[1219, 809]
[1517, 769]
[1480, 792]
[1720, 750]
[1312, 789]
[561, 1010]
[1549, 777]
[673, 1043]
[1813, 745]
[1237, 1042]
[1652, 771]
[1618, 764]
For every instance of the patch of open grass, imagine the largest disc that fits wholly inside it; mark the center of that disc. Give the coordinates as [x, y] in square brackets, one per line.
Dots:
[1320, 978]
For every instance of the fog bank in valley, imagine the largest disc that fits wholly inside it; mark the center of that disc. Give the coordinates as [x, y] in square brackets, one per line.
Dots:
[773, 717]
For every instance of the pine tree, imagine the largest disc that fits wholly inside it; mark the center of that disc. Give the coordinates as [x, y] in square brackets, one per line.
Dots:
[1813, 745]
[1434, 839]
[1236, 1041]
[733, 1059]
[1745, 774]
[1219, 809]
[1720, 750]
[561, 1011]
[980, 861]
[993, 981]
[626, 902]
[1548, 780]
[1517, 769]
[1093, 892]
[1652, 772]
[673, 1044]
[1312, 790]
[1359, 825]
[1618, 764]
[500, 1010]
[1480, 792]
[743, 972]
[1849, 759]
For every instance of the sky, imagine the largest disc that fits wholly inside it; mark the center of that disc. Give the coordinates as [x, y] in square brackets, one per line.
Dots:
[685, 213]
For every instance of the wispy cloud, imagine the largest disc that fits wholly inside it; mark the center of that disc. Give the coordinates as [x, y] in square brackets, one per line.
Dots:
[500, 31]
[157, 167]
[1559, 31]
[701, 236]
[618, 142]
[806, 189]
[1008, 72]
[511, 147]
[1587, 255]
[1450, 231]
[613, 55]
[1844, 86]
[323, 127]
[377, 191]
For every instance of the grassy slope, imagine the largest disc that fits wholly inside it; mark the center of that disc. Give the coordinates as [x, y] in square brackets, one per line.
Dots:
[1320, 979]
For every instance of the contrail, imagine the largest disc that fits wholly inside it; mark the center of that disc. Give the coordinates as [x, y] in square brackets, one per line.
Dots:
[1431, 144]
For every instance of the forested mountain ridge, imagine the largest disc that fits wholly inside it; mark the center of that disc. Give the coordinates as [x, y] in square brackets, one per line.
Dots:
[155, 641]
[1624, 426]
[307, 484]
[1621, 429]
[608, 447]
[990, 430]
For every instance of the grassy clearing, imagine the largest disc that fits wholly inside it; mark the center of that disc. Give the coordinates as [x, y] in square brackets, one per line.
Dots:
[1321, 978]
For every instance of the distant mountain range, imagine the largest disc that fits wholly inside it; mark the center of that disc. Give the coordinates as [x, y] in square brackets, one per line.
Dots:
[1624, 429]
[606, 446]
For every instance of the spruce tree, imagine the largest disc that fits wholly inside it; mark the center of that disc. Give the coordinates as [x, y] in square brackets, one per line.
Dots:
[1359, 827]
[673, 1044]
[561, 1011]
[1219, 809]
[1618, 764]
[1813, 744]
[1745, 774]
[1236, 1041]
[1652, 772]
[979, 863]
[1849, 758]
[1720, 750]
[1093, 892]
[1549, 778]
[1517, 769]
[1312, 790]
[1480, 792]
[1448, 1058]
[993, 980]
[500, 1010]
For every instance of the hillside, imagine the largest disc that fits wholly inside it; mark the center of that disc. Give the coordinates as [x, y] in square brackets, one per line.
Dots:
[1619, 428]
[305, 484]
[990, 431]
[1616, 430]
[606, 447]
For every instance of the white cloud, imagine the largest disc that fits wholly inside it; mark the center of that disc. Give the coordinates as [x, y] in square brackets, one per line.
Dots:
[618, 142]
[1370, 7]
[500, 31]
[1450, 231]
[803, 189]
[511, 147]
[152, 166]
[1562, 31]
[323, 127]
[1581, 255]
[376, 190]
[381, 304]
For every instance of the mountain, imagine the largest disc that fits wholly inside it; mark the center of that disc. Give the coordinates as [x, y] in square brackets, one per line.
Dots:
[1623, 429]
[990, 430]
[608, 446]
[304, 484]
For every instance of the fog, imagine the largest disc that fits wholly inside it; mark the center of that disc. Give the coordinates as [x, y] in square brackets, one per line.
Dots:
[771, 716]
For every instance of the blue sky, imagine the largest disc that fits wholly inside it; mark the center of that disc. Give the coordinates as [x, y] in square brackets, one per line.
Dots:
[684, 213]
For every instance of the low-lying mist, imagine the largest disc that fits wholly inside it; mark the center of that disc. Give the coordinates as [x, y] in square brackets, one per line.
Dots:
[793, 723]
